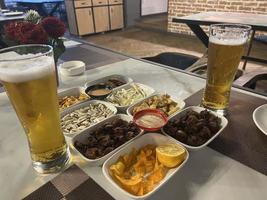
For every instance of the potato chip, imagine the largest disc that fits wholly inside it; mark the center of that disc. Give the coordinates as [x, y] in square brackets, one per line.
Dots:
[139, 171]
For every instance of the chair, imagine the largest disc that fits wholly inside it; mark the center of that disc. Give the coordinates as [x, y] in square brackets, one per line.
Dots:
[176, 60]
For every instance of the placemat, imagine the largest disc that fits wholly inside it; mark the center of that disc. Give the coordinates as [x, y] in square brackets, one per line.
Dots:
[72, 184]
[241, 139]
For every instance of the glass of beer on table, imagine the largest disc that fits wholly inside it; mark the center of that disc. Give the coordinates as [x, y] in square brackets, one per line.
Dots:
[28, 75]
[226, 47]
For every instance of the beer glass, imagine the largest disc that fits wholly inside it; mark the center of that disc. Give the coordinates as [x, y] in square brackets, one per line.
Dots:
[226, 47]
[27, 73]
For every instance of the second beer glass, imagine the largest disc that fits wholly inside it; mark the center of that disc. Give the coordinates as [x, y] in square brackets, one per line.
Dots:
[226, 47]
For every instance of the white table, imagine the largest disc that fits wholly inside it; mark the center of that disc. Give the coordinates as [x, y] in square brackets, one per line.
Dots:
[208, 175]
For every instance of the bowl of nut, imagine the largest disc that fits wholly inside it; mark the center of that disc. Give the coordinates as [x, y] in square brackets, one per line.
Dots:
[99, 142]
[195, 127]
[84, 115]
[164, 102]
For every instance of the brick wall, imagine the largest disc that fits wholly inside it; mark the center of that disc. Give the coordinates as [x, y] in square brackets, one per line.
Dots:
[186, 7]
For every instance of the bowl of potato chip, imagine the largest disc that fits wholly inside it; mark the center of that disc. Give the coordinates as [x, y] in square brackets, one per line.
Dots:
[70, 97]
[141, 167]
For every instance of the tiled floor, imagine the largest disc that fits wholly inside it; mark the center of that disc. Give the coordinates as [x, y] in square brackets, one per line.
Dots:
[150, 38]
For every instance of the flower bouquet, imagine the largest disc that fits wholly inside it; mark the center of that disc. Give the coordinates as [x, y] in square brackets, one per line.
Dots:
[35, 30]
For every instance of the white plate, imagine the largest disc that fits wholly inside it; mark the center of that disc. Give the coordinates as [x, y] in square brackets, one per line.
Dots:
[198, 109]
[148, 138]
[76, 91]
[180, 103]
[260, 118]
[125, 79]
[10, 14]
[84, 134]
[85, 104]
[147, 89]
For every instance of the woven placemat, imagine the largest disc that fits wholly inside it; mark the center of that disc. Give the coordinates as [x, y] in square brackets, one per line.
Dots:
[72, 184]
[241, 139]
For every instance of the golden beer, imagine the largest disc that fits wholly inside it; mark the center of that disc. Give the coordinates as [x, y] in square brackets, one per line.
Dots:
[224, 55]
[33, 95]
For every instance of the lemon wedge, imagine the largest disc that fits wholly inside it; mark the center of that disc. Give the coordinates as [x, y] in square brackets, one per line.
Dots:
[170, 155]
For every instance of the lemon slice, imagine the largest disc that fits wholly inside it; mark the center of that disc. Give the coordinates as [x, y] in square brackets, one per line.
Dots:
[170, 155]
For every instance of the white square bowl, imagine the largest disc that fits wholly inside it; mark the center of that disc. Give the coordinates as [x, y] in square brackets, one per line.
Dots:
[83, 105]
[84, 134]
[148, 138]
[75, 91]
[180, 103]
[147, 89]
[126, 79]
[198, 109]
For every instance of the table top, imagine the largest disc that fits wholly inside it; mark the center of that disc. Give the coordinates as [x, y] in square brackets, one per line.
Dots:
[257, 21]
[207, 175]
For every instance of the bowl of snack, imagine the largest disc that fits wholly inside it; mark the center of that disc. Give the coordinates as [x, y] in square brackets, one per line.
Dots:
[82, 116]
[141, 167]
[150, 119]
[100, 141]
[127, 95]
[112, 81]
[98, 91]
[71, 97]
[164, 102]
[195, 127]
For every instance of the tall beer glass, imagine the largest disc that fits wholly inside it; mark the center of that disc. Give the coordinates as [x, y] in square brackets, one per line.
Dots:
[28, 75]
[226, 47]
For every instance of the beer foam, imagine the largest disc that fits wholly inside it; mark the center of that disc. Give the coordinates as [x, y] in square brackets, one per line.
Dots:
[23, 69]
[227, 41]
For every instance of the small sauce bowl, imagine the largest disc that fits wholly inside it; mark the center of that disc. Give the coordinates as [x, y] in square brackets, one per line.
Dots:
[150, 119]
[98, 91]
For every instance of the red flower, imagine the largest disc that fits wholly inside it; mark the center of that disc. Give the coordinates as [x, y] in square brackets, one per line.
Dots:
[11, 30]
[26, 33]
[53, 27]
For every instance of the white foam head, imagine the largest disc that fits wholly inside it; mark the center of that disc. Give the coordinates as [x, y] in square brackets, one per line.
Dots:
[227, 41]
[24, 67]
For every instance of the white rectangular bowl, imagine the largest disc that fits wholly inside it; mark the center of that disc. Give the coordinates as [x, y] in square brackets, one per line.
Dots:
[148, 138]
[85, 104]
[84, 134]
[180, 103]
[147, 89]
[106, 78]
[198, 109]
[72, 92]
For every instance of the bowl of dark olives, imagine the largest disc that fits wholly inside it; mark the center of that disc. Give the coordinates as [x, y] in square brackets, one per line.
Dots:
[195, 127]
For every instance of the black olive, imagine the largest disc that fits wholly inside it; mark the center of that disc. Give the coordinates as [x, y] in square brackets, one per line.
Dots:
[130, 135]
[214, 127]
[181, 136]
[107, 150]
[192, 140]
[104, 141]
[91, 153]
[92, 141]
